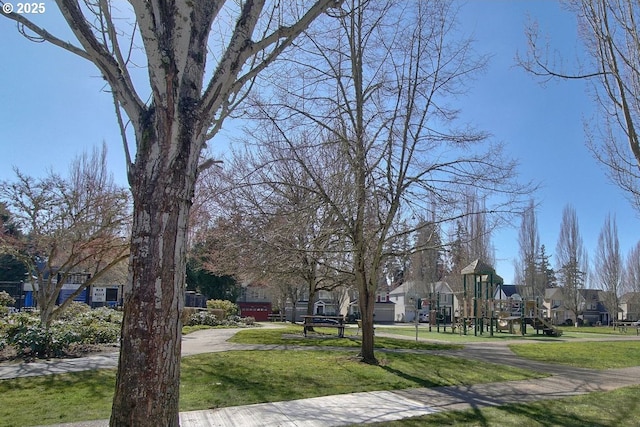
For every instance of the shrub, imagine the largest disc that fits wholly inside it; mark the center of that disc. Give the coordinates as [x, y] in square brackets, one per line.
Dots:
[203, 318]
[99, 333]
[6, 299]
[73, 310]
[186, 314]
[38, 341]
[102, 314]
[230, 309]
[30, 339]
[249, 320]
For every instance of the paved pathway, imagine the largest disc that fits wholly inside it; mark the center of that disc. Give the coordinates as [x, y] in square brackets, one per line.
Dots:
[361, 408]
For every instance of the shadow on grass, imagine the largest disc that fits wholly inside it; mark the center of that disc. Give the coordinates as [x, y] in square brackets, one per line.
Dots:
[421, 382]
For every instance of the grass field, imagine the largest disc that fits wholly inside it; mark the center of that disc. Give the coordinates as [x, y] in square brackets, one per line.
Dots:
[242, 377]
[594, 355]
[619, 408]
[569, 333]
[292, 335]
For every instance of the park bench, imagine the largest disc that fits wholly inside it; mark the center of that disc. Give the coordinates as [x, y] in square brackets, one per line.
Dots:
[276, 317]
[318, 321]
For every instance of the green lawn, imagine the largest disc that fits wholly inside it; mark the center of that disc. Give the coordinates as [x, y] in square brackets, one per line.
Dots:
[242, 377]
[245, 377]
[292, 335]
[569, 333]
[618, 408]
[592, 354]
[602, 330]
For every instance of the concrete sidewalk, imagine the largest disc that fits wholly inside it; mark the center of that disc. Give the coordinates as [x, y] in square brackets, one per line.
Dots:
[381, 406]
[362, 408]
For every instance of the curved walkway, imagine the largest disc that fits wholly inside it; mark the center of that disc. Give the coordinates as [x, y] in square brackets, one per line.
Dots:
[362, 408]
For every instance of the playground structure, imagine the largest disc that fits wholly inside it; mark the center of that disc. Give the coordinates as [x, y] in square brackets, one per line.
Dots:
[481, 311]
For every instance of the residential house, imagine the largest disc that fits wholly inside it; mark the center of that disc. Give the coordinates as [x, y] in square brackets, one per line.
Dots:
[508, 299]
[412, 298]
[629, 307]
[254, 301]
[591, 307]
[594, 311]
[384, 308]
[326, 303]
[555, 307]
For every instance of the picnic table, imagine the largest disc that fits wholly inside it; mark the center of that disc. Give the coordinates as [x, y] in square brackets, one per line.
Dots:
[622, 326]
[319, 321]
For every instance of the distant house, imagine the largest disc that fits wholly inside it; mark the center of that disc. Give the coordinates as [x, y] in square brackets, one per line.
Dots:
[432, 296]
[254, 301]
[630, 307]
[509, 299]
[504, 292]
[555, 307]
[384, 308]
[594, 310]
[591, 307]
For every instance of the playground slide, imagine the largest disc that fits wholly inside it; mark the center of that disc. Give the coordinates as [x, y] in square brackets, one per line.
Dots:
[545, 325]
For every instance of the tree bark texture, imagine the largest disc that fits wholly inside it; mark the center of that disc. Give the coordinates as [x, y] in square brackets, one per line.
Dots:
[162, 189]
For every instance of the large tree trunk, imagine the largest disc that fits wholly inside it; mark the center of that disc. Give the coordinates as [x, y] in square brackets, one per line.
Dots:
[162, 187]
[367, 304]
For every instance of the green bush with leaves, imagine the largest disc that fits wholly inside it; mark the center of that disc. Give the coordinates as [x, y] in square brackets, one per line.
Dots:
[230, 309]
[5, 301]
[73, 310]
[203, 318]
[24, 332]
[208, 319]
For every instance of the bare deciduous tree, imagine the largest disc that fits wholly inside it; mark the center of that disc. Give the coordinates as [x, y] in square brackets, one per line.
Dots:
[608, 268]
[374, 99]
[611, 39]
[632, 270]
[529, 243]
[287, 231]
[196, 77]
[75, 225]
[572, 262]
[470, 239]
[631, 279]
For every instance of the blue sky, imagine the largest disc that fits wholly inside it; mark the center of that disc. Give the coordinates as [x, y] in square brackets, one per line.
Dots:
[53, 106]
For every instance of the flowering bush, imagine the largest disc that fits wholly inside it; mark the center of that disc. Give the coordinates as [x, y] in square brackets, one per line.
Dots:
[203, 318]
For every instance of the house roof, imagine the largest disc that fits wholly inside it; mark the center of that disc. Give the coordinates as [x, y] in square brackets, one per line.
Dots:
[549, 293]
[630, 297]
[510, 290]
[408, 286]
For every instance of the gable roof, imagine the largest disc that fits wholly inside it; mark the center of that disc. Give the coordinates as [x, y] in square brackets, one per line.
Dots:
[510, 290]
[408, 286]
[630, 297]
